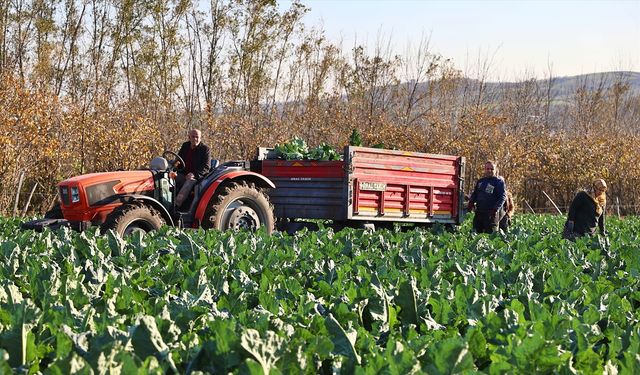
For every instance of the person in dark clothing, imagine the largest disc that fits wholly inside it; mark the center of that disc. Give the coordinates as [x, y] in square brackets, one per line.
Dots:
[508, 209]
[197, 157]
[587, 211]
[487, 198]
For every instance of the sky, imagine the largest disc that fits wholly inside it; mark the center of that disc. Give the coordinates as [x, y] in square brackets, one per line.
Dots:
[519, 38]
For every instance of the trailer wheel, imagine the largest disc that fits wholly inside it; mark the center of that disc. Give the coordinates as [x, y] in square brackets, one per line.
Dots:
[240, 206]
[130, 218]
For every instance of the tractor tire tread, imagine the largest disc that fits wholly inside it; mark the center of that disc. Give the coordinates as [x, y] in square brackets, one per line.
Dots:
[212, 212]
[124, 215]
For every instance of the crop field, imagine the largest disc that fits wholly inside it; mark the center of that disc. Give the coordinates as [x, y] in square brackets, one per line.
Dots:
[321, 302]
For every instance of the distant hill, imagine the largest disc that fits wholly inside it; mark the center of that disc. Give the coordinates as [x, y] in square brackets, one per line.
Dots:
[563, 87]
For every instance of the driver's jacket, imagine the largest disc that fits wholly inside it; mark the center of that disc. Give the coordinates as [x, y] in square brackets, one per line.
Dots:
[200, 161]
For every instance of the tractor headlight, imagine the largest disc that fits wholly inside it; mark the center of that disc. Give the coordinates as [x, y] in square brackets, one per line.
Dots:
[75, 194]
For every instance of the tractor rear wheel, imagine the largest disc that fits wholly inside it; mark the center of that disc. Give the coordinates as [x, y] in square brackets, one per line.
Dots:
[131, 218]
[240, 206]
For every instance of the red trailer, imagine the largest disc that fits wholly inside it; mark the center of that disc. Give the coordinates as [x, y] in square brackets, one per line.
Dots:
[370, 186]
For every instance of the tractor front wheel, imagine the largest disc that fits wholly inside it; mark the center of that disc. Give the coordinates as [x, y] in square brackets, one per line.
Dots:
[130, 218]
[240, 206]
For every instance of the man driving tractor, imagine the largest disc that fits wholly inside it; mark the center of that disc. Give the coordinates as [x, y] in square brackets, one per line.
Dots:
[197, 159]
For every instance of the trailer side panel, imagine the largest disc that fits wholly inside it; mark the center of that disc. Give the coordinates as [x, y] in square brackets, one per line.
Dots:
[307, 189]
[400, 186]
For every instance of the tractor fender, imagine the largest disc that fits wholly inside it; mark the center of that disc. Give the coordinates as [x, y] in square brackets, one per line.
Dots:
[255, 178]
[131, 198]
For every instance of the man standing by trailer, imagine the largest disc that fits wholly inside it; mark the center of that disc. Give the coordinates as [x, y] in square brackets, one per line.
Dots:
[197, 157]
[487, 198]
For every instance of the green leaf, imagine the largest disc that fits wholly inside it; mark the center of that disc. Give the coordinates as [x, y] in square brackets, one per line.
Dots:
[400, 359]
[116, 243]
[295, 149]
[266, 351]
[5, 367]
[147, 341]
[10, 294]
[71, 364]
[588, 362]
[451, 356]
[355, 139]
[343, 341]
[477, 343]
[18, 339]
[406, 299]
[324, 152]
[128, 363]
[321, 346]
[254, 368]
[539, 355]
[377, 305]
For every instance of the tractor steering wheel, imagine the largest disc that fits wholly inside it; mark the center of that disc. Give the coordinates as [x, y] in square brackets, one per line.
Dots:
[175, 159]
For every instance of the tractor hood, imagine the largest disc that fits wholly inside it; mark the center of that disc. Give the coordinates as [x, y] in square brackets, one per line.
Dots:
[98, 188]
[131, 181]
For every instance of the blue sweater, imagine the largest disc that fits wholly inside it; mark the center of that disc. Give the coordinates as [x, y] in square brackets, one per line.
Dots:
[489, 194]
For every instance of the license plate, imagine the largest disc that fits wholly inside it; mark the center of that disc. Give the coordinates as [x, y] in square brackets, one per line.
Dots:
[373, 186]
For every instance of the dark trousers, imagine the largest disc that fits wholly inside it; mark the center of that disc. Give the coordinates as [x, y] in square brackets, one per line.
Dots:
[485, 222]
[183, 187]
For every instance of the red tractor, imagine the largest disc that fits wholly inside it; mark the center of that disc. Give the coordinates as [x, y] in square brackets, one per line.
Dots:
[231, 196]
[368, 188]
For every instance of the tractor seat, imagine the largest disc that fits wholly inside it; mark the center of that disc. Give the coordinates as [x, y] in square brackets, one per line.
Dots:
[159, 164]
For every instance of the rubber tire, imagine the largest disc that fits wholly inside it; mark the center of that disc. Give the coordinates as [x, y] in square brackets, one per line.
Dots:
[218, 217]
[130, 218]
